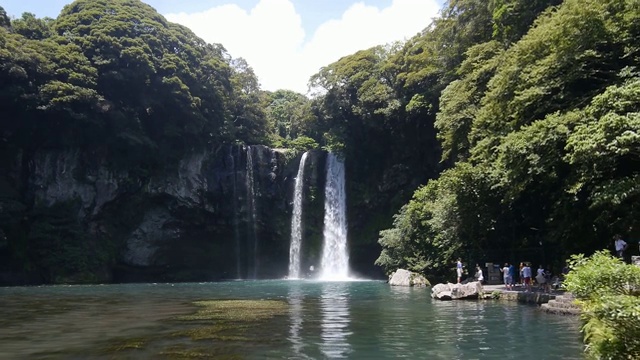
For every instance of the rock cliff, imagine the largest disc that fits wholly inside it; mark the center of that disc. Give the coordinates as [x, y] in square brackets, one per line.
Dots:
[217, 214]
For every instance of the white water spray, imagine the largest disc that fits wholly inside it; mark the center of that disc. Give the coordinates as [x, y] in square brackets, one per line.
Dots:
[251, 205]
[236, 221]
[296, 223]
[335, 258]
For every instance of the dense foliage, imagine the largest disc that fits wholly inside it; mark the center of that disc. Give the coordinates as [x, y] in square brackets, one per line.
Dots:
[607, 290]
[542, 134]
[113, 80]
[116, 75]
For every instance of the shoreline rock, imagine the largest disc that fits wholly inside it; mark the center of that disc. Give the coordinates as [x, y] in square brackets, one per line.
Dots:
[403, 277]
[449, 291]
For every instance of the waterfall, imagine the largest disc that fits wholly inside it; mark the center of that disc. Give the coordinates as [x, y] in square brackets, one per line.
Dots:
[296, 223]
[335, 259]
[252, 241]
[236, 221]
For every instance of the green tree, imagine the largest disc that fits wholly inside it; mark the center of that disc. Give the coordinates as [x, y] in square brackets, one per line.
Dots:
[513, 18]
[289, 115]
[607, 291]
[531, 120]
[452, 216]
[568, 57]
[166, 91]
[31, 27]
[460, 100]
[5, 22]
[249, 119]
[604, 150]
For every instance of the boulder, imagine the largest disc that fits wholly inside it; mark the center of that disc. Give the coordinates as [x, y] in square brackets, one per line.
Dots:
[403, 277]
[471, 290]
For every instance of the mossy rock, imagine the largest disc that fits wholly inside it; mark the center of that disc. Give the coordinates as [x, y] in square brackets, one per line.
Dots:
[220, 331]
[237, 310]
[181, 352]
[224, 324]
[127, 344]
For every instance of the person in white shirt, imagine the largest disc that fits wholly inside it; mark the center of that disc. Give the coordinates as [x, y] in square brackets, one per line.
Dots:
[479, 275]
[620, 245]
[541, 279]
[507, 279]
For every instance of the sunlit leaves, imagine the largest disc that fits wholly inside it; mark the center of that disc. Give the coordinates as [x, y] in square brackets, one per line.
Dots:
[31, 27]
[289, 114]
[460, 100]
[249, 119]
[533, 155]
[125, 71]
[569, 56]
[606, 149]
[512, 18]
[448, 218]
[607, 290]
[552, 121]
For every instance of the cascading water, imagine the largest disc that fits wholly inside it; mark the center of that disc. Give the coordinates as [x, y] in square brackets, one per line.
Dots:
[252, 241]
[236, 221]
[296, 223]
[335, 258]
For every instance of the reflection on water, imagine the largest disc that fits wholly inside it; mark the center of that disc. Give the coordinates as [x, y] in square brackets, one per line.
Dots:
[335, 320]
[322, 320]
[469, 327]
[296, 299]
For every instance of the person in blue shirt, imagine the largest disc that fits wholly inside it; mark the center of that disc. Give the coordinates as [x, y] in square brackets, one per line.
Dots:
[512, 275]
[526, 274]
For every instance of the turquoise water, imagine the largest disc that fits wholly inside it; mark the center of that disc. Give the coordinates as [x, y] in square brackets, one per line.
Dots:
[318, 320]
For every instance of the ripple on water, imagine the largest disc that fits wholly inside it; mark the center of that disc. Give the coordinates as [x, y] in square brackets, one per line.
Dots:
[354, 319]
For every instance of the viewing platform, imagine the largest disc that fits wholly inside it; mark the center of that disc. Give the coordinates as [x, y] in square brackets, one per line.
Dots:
[555, 301]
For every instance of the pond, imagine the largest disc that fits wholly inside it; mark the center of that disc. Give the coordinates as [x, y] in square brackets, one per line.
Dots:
[273, 319]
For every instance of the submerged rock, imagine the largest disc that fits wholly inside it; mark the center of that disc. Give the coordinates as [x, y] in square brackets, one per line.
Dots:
[403, 277]
[449, 291]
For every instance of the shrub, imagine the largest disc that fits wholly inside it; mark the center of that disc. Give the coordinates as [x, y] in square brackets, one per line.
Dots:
[607, 291]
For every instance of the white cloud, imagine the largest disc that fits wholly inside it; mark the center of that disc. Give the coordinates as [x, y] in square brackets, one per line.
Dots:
[272, 40]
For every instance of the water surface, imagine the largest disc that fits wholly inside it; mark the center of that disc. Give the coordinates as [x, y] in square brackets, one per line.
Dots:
[317, 320]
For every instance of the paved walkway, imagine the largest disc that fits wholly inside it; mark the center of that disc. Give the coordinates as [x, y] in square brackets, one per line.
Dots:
[518, 293]
[516, 289]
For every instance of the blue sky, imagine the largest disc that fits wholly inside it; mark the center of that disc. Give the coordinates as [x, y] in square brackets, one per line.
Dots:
[284, 41]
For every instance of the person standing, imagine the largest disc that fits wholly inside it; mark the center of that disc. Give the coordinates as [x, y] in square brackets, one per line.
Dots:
[505, 276]
[512, 275]
[521, 276]
[526, 275]
[620, 245]
[459, 270]
[479, 274]
[541, 279]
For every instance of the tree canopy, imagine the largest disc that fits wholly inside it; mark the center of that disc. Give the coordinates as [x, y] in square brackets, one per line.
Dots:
[546, 117]
[117, 75]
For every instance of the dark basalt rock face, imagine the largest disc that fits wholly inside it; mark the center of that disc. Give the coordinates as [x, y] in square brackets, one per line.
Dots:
[70, 216]
[194, 222]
